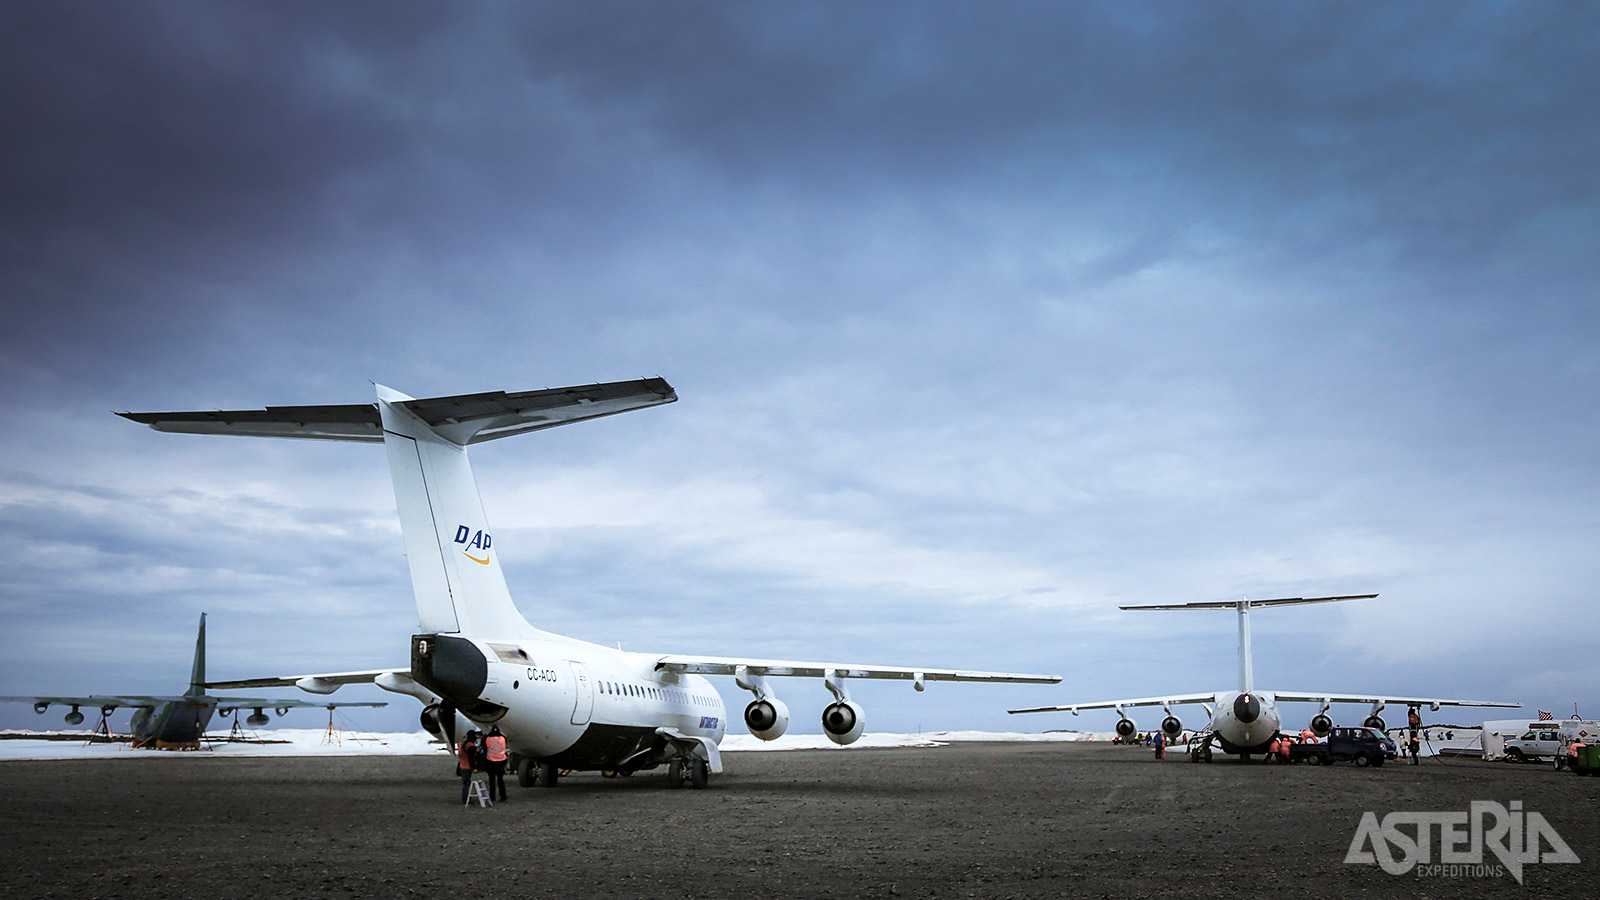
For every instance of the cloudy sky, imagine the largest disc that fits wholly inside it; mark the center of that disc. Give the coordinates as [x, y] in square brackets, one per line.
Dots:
[984, 319]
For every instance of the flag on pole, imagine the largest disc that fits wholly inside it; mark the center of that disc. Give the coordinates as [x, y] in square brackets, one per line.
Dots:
[1546, 716]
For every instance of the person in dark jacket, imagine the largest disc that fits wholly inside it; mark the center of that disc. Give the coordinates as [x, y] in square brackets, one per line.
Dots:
[467, 761]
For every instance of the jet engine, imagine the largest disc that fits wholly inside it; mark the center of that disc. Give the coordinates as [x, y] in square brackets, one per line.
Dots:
[843, 721]
[1126, 728]
[1171, 726]
[430, 721]
[768, 718]
[74, 717]
[1376, 721]
[1321, 725]
[257, 719]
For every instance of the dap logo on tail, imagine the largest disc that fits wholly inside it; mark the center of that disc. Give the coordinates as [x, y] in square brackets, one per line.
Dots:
[473, 541]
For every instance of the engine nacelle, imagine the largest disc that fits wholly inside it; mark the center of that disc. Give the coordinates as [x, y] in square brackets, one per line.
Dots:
[1171, 727]
[1126, 728]
[1321, 725]
[74, 717]
[843, 721]
[40, 708]
[257, 718]
[1377, 722]
[430, 721]
[768, 718]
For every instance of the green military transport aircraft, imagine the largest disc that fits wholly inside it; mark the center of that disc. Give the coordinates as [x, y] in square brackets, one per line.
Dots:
[173, 723]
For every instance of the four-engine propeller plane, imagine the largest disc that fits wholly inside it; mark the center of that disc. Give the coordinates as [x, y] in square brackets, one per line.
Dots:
[562, 703]
[174, 722]
[1246, 721]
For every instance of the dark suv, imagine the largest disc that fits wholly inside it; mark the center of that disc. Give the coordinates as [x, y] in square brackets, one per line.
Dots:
[1364, 746]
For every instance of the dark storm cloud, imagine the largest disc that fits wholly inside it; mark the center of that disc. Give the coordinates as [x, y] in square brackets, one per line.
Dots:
[147, 141]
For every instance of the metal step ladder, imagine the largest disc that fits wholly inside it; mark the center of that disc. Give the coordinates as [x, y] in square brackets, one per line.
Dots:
[479, 791]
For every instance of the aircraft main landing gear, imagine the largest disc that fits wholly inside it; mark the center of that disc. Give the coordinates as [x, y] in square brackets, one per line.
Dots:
[533, 773]
[693, 771]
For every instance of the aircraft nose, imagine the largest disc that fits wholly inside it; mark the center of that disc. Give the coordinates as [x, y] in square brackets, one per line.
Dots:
[1246, 708]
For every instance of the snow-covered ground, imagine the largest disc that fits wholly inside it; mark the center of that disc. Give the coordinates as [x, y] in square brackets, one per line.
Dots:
[283, 742]
[315, 742]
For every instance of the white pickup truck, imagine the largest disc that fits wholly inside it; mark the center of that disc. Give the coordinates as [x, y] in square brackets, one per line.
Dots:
[1546, 740]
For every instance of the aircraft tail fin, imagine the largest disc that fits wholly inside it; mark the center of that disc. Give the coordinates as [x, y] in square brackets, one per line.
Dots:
[1244, 605]
[455, 567]
[197, 674]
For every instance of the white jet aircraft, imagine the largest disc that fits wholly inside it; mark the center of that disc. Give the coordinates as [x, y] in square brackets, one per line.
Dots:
[1245, 721]
[562, 703]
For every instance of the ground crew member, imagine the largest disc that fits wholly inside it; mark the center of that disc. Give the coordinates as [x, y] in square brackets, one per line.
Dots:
[1307, 736]
[466, 762]
[1572, 753]
[494, 755]
[1161, 744]
[1414, 719]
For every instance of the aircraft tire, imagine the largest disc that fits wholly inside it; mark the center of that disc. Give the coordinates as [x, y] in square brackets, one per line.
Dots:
[526, 776]
[699, 773]
[548, 774]
[675, 773]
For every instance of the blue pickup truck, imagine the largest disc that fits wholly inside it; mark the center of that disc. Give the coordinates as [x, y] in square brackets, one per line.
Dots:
[1361, 745]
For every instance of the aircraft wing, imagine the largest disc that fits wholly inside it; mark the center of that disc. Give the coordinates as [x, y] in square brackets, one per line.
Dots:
[130, 701]
[1169, 700]
[280, 703]
[719, 665]
[316, 684]
[1432, 702]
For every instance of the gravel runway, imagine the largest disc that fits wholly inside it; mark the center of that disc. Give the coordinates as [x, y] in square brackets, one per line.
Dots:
[962, 821]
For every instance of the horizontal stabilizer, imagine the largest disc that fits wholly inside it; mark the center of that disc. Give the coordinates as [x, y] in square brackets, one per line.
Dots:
[463, 419]
[1253, 604]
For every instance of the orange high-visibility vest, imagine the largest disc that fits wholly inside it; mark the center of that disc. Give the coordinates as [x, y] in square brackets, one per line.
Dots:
[496, 747]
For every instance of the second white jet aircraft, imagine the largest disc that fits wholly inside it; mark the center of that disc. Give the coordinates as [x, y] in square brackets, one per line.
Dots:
[1245, 721]
[562, 703]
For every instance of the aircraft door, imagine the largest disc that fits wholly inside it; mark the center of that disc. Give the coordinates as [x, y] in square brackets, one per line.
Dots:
[584, 703]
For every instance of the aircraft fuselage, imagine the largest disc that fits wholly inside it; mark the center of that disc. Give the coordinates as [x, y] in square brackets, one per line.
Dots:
[575, 704]
[1246, 721]
[172, 725]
